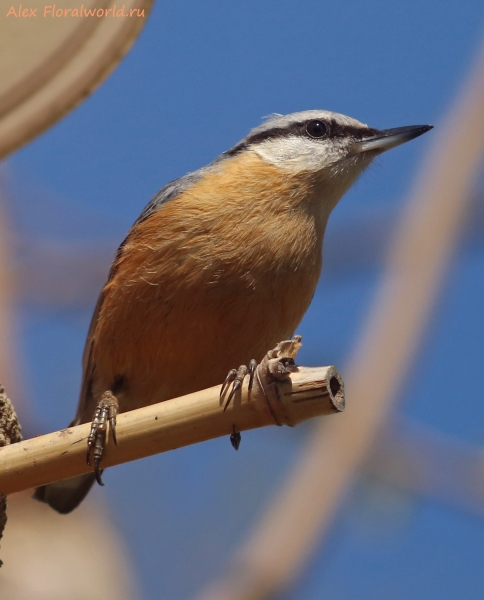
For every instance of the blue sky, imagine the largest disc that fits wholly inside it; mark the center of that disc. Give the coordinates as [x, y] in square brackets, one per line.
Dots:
[198, 79]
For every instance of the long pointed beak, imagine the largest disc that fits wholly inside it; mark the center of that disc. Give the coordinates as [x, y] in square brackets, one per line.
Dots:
[390, 138]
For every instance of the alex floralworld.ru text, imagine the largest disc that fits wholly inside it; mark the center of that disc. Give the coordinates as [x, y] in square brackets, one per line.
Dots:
[82, 11]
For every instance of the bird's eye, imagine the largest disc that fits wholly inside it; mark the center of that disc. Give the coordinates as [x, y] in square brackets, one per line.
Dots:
[316, 129]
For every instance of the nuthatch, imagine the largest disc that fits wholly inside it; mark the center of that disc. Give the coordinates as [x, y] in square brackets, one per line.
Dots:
[220, 266]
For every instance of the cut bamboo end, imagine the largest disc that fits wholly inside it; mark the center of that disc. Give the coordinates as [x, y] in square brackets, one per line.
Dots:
[191, 419]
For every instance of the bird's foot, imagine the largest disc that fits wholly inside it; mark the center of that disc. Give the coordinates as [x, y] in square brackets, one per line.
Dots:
[236, 378]
[107, 409]
[280, 362]
[277, 364]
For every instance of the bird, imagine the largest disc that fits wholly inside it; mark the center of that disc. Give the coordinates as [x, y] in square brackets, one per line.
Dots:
[220, 266]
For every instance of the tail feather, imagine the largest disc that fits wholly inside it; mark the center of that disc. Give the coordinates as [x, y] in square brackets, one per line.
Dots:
[65, 496]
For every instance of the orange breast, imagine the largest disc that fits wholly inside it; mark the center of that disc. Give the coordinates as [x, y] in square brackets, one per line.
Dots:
[214, 278]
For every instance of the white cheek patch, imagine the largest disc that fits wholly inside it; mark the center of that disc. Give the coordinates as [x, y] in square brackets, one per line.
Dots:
[296, 153]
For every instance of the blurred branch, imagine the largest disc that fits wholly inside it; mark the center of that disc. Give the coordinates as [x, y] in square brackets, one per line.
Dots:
[422, 461]
[276, 552]
[275, 399]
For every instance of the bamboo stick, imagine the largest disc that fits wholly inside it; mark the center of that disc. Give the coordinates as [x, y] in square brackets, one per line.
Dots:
[275, 399]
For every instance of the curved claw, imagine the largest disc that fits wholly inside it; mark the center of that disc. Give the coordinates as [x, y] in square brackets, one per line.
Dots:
[237, 385]
[112, 422]
[235, 438]
[231, 375]
[98, 471]
[105, 413]
[237, 379]
[252, 370]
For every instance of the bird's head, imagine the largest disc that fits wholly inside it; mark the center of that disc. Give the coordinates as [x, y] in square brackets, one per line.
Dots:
[330, 148]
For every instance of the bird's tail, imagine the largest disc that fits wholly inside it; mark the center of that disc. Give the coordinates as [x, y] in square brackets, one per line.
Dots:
[64, 496]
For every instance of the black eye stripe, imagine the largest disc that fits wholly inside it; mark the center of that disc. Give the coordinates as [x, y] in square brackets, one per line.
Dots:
[334, 130]
[357, 133]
